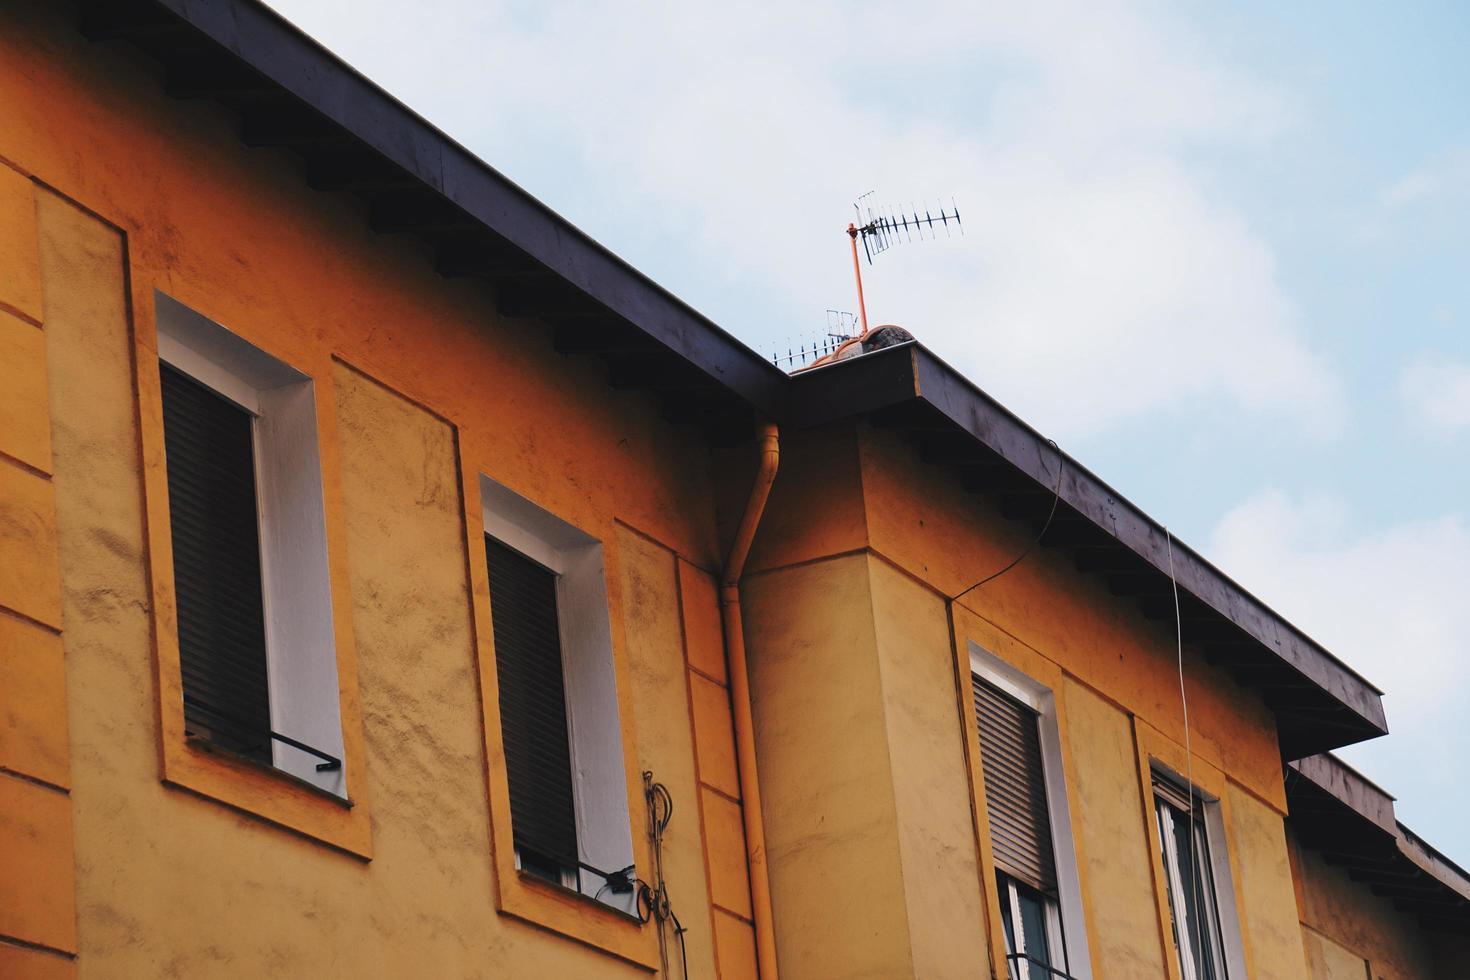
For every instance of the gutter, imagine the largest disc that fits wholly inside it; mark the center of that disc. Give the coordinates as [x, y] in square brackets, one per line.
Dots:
[735, 663]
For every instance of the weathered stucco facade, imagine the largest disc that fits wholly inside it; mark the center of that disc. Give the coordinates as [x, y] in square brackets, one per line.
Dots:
[419, 388]
[863, 732]
[127, 851]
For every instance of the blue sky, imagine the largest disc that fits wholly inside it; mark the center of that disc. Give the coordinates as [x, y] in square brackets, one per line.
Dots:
[1217, 251]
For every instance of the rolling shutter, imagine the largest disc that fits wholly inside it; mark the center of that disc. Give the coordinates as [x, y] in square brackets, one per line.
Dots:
[1015, 787]
[533, 714]
[1175, 795]
[209, 446]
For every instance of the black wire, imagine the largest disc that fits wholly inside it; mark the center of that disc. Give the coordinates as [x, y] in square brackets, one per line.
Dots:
[679, 931]
[660, 805]
[660, 792]
[1055, 500]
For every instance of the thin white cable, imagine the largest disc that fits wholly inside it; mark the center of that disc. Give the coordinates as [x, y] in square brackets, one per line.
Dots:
[1188, 752]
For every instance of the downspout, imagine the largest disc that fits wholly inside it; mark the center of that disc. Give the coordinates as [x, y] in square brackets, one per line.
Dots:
[750, 792]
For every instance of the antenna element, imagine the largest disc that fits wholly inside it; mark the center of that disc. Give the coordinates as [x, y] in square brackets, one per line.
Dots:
[881, 231]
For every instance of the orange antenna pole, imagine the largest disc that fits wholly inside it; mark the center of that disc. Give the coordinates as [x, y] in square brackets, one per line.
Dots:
[857, 271]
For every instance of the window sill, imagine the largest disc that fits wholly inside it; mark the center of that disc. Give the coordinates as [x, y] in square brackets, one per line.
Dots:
[597, 905]
[200, 744]
[263, 791]
[532, 899]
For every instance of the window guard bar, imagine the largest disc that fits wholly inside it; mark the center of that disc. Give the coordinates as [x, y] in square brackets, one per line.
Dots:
[1032, 964]
[332, 763]
[617, 882]
[621, 882]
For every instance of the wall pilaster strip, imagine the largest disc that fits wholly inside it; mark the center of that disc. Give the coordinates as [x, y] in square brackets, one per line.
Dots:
[719, 784]
[37, 858]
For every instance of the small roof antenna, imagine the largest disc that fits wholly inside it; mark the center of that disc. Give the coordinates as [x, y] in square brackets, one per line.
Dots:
[880, 232]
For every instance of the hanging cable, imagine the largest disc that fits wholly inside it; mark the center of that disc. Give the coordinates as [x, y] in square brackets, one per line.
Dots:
[962, 685]
[1056, 498]
[656, 896]
[1195, 876]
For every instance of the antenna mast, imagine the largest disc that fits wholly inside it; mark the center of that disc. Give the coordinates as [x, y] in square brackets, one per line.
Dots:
[857, 271]
[881, 232]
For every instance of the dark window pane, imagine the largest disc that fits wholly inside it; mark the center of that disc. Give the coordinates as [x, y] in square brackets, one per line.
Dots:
[533, 716]
[209, 450]
[1196, 935]
[1030, 954]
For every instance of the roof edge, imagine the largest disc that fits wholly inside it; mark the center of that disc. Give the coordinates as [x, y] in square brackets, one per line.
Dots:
[303, 68]
[302, 73]
[911, 373]
[1374, 806]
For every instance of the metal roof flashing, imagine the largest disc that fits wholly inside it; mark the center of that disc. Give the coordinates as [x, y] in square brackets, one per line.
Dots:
[289, 92]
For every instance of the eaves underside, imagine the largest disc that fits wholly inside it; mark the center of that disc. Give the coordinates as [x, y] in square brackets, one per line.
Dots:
[1350, 822]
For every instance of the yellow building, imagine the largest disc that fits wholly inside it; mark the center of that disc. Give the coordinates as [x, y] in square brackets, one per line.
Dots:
[388, 588]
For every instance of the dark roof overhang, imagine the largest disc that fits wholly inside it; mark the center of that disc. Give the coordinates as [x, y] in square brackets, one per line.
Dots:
[1319, 703]
[1350, 822]
[289, 92]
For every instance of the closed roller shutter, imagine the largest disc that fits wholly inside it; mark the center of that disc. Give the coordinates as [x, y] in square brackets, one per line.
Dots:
[209, 446]
[1015, 787]
[533, 714]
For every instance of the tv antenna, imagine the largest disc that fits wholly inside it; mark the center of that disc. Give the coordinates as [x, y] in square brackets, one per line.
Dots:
[840, 326]
[882, 228]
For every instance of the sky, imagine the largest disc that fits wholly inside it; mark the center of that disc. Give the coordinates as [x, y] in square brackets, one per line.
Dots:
[1218, 252]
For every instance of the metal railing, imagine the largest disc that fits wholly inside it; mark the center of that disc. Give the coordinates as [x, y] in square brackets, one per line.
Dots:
[332, 763]
[1024, 967]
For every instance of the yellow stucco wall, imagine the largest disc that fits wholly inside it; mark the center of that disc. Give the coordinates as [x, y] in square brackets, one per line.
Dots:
[419, 383]
[846, 751]
[1113, 845]
[837, 879]
[948, 539]
[926, 749]
[1267, 900]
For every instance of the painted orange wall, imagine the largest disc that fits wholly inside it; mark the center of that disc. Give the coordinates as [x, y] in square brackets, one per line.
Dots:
[110, 190]
[38, 935]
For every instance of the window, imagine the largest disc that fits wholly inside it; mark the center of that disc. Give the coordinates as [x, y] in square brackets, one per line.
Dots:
[558, 700]
[1033, 929]
[1020, 833]
[248, 534]
[1030, 827]
[1194, 911]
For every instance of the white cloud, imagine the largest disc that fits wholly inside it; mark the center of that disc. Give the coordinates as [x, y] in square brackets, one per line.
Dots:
[1436, 393]
[1100, 277]
[1390, 603]
[1448, 175]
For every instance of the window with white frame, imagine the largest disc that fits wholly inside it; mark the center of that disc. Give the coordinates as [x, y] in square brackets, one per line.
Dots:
[248, 528]
[558, 699]
[1030, 825]
[1204, 928]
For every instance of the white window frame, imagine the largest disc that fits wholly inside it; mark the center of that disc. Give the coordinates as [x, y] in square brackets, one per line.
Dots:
[1055, 935]
[1071, 936]
[599, 779]
[300, 643]
[1227, 933]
